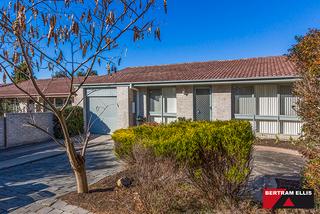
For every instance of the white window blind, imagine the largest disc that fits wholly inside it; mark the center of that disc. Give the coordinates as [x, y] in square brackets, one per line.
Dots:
[170, 100]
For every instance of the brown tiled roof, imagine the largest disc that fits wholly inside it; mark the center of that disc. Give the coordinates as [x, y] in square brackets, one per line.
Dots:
[50, 87]
[262, 67]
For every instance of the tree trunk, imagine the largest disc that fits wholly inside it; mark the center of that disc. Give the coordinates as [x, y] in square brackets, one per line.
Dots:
[81, 179]
[77, 162]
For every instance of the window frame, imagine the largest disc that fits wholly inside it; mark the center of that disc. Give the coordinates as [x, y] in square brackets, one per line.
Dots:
[252, 95]
[255, 118]
[164, 115]
[62, 103]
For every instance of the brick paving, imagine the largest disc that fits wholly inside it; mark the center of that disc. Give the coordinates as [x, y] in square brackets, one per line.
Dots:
[33, 187]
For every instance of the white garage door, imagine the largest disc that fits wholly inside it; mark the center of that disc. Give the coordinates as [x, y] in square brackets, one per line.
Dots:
[101, 105]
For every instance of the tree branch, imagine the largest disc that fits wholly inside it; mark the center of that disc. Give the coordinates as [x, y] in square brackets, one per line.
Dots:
[106, 46]
[21, 89]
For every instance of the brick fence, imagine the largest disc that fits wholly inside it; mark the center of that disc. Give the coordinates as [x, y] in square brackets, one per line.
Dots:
[14, 129]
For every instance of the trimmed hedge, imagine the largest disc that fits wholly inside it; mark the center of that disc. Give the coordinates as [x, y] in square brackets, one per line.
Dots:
[75, 122]
[188, 142]
[182, 139]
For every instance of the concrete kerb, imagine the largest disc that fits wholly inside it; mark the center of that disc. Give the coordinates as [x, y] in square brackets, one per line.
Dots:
[277, 149]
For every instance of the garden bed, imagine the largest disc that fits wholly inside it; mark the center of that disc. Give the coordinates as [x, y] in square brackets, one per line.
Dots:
[183, 167]
[106, 197]
[279, 143]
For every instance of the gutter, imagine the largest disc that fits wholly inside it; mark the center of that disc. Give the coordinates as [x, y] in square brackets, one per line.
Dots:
[34, 95]
[220, 82]
[200, 82]
[133, 88]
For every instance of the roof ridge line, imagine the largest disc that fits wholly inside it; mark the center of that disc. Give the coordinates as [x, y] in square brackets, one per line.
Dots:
[218, 60]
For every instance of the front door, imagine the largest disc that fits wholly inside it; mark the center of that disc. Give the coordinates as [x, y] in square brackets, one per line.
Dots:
[202, 104]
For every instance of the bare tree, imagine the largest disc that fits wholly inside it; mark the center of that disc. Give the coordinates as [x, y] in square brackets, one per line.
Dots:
[68, 36]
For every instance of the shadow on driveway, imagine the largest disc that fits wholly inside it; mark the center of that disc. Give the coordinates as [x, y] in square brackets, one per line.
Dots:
[30, 182]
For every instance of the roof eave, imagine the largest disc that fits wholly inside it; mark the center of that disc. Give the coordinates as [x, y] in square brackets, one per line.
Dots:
[272, 79]
[10, 96]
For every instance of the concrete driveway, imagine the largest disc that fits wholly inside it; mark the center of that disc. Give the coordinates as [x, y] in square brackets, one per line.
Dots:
[43, 180]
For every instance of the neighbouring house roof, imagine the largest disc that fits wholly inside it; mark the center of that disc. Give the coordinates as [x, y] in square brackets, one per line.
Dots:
[50, 87]
[252, 68]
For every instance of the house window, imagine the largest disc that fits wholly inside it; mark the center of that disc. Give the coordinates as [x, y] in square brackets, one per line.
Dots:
[244, 100]
[271, 109]
[288, 111]
[155, 100]
[59, 102]
[287, 101]
[31, 106]
[162, 105]
[9, 106]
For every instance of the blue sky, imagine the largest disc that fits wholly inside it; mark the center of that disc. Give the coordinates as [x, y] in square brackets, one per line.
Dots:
[229, 29]
[220, 29]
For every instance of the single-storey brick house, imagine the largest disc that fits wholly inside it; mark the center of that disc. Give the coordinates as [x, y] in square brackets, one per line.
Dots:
[14, 100]
[256, 89]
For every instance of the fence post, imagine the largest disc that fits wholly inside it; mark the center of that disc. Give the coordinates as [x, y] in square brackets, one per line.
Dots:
[5, 129]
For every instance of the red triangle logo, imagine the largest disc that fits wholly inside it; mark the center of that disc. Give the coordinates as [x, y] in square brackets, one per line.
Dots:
[288, 203]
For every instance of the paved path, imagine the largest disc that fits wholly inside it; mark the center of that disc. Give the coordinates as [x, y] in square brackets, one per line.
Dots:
[33, 187]
[270, 163]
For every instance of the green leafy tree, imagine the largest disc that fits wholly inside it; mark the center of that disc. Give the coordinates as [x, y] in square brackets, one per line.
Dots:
[20, 73]
[83, 73]
[59, 74]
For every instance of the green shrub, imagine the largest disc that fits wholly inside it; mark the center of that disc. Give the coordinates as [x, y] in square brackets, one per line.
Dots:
[75, 122]
[312, 178]
[124, 141]
[217, 154]
[185, 139]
